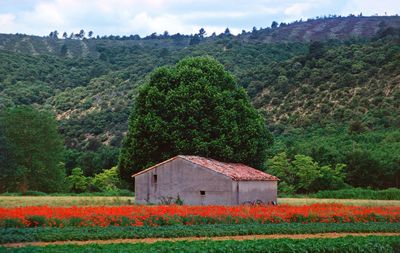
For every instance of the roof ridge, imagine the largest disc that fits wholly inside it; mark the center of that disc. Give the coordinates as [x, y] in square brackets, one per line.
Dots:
[235, 171]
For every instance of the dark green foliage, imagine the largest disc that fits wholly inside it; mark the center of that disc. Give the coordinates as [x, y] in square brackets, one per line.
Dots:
[32, 150]
[13, 234]
[359, 193]
[362, 168]
[372, 157]
[119, 192]
[370, 244]
[303, 174]
[194, 108]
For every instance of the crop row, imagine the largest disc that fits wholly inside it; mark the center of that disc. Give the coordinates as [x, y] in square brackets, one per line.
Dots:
[192, 215]
[370, 244]
[9, 235]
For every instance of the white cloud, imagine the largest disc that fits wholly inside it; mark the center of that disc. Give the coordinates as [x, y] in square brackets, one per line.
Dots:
[372, 7]
[297, 9]
[144, 22]
[7, 22]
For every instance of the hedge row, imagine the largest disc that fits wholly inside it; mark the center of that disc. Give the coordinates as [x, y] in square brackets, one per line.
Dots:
[119, 192]
[8, 235]
[370, 244]
[359, 193]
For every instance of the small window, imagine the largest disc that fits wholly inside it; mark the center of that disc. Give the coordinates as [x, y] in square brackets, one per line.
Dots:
[202, 193]
[154, 179]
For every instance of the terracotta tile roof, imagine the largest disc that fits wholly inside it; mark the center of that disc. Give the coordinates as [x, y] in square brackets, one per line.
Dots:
[236, 171]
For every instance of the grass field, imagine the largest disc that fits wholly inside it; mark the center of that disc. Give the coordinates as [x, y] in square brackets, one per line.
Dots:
[14, 201]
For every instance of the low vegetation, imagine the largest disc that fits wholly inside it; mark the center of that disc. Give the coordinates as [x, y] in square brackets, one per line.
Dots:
[45, 234]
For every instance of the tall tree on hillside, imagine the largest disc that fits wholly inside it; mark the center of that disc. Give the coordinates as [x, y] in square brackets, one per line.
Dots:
[274, 25]
[54, 35]
[32, 148]
[81, 34]
[227, 31]
[202, 33]
[193, 108]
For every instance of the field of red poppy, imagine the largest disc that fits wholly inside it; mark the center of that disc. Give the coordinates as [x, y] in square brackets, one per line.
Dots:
[140, 215]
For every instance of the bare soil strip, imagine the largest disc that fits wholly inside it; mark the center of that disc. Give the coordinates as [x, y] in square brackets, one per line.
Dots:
[219, 238]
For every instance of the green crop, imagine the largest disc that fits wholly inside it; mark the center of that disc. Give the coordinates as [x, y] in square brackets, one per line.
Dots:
[370, 244]
[8, 235]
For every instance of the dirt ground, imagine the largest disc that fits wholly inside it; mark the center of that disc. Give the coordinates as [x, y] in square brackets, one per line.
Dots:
[221, 238]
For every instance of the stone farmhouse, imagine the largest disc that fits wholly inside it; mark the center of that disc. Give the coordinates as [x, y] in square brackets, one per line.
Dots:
[204, 181]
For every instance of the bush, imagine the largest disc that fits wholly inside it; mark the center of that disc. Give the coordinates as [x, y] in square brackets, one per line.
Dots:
[34, 193]
[11, 223]
[359, 193]
[107, 181]
[36, 221]
[77, 181]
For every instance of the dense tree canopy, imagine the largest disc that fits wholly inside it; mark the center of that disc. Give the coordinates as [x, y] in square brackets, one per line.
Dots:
[32, 149]
[193, 108]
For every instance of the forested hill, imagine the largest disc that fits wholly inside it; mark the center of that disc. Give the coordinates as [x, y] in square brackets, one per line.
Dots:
[320, 29]
[340, 73]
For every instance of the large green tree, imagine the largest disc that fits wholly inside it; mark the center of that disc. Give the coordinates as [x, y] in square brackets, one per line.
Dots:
[32, 151]
[193, 108]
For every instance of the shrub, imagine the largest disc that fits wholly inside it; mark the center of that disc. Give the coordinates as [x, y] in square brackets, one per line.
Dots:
[11, 223]
[107, 181]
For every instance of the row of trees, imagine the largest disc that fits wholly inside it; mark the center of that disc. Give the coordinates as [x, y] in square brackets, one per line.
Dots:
[274, 25]
[80, 35]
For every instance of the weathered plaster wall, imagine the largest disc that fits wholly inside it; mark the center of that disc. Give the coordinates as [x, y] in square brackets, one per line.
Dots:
[266, 191]
[186, 179]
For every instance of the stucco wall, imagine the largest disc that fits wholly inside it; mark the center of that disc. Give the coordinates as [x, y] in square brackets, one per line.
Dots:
[266, 191]
[186, 179]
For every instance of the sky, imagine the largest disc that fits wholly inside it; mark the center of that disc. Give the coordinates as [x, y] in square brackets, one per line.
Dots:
[126, 17]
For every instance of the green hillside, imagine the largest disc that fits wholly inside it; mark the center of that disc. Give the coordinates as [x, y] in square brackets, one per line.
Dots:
[326, 79]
